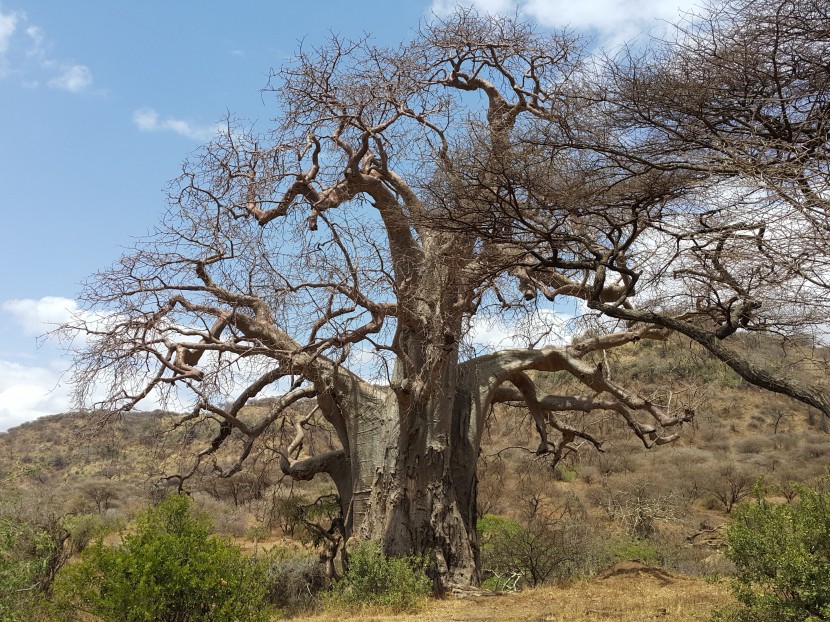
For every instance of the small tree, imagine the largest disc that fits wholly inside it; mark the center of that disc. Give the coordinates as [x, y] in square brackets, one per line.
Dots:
[730, 485]
[782, 553]
[99, 493]
[637, 506]
[544, 542]
[171, 568]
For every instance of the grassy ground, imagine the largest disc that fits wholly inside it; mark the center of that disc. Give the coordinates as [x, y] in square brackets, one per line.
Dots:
[619, 598]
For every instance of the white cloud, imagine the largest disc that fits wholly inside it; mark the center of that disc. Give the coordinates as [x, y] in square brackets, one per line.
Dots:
[32, 382]
[613, 21]
[36, 42]
[149, 120]
[146, 119]
[25, 53]
[539, 328]
[29, 392]
[37, 317]
[73, 79]
[617, 21]
[30, 379]
[8, 24]
[40, 317]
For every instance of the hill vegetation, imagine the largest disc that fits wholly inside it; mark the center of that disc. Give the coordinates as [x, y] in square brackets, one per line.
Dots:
[667, 507]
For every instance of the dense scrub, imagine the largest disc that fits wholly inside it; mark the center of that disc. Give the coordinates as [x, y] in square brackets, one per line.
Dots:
[782, 555]
[170, 568]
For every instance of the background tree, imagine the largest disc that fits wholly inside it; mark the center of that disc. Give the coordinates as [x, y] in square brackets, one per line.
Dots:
[345, 259]
[781, 554]
[730, 484]
[170, 568]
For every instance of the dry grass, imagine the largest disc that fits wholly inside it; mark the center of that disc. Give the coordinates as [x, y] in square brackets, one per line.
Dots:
[621, 599]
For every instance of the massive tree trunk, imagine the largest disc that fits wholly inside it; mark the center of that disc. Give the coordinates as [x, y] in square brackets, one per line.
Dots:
[412, 449]
[414, 484]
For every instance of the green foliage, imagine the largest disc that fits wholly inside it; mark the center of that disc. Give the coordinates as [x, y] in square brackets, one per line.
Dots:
[502, 570]
[170, 569]
[636, 550]
[491, 527]
[782, 554]
[25, 556]
[373, 579]
[32, 550]
[564, 473]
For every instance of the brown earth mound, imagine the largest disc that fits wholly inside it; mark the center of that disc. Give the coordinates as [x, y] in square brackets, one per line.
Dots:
[629, 568]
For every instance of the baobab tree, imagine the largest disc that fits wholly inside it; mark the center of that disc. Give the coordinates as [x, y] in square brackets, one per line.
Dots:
[343, 258]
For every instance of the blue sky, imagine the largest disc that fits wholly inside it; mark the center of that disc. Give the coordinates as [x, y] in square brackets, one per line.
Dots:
[100, 102]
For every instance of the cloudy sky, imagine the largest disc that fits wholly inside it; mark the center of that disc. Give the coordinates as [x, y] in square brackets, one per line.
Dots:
[102, 100]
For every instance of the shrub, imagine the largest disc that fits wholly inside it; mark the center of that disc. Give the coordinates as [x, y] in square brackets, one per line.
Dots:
[589, 474]
[636, 550]
[293, 580]
[563, 473]
[32, 549]
[373, 579]
[171, 568]
[754, 445]
[502, 571]
[541, 547]
[85, 528]
[637, 505]
[730, 484]
[25, 554]
[782, 554]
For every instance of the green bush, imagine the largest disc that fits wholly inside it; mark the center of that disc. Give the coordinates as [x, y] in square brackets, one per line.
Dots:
[782, 555]
[373, 579]
[25, 555]
[563, 473]
[501, 568]
[32, 549]
[544, 547]
[170, 569]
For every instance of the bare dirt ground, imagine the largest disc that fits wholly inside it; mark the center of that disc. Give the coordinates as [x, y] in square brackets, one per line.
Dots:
[626, 597]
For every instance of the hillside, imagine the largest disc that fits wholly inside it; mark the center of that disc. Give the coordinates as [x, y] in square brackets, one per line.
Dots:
[666, 506]
[735, 425]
